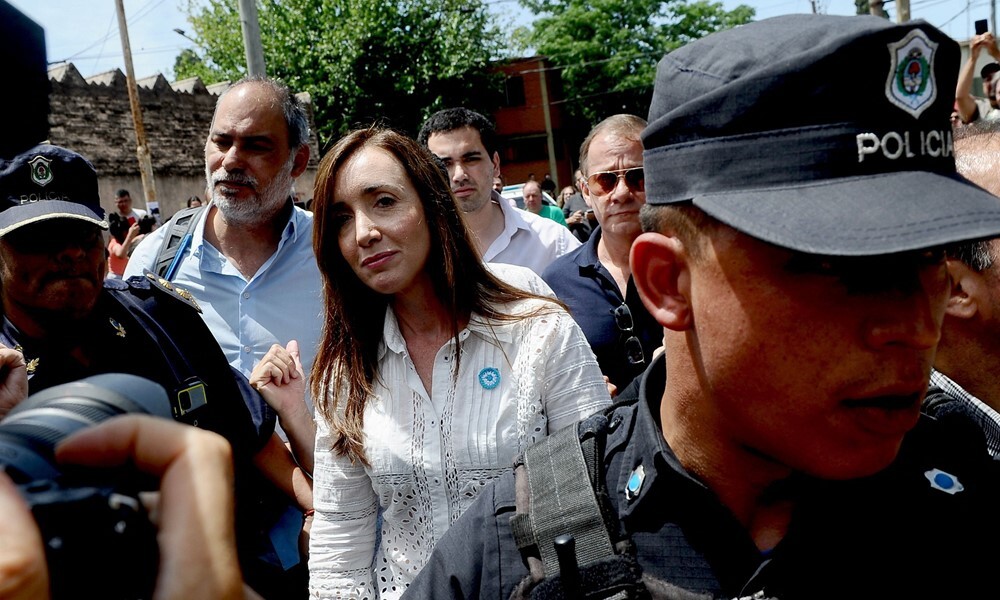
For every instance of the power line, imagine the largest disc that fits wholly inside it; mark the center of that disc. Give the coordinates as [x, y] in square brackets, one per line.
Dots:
[157, 50]
[138, 16]
[657, 55]
[959, 14]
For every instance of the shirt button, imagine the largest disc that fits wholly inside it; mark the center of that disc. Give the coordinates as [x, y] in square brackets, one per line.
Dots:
[246, 295]
[615, 422]
[246, 349]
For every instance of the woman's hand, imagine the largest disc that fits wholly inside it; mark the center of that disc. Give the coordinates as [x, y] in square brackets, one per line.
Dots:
[279, 379]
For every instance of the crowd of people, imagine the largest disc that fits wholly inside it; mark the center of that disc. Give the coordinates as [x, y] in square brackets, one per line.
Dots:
[765, 371]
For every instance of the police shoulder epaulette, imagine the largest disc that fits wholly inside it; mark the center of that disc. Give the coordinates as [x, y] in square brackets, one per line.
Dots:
[115, 284]
[170, 289]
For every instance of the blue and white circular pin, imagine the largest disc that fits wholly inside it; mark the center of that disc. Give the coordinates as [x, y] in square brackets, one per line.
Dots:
[943, 481]
[634, 484]
[489, 378]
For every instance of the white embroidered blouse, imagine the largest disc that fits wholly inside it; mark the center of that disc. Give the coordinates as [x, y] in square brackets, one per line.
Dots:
[430, 456]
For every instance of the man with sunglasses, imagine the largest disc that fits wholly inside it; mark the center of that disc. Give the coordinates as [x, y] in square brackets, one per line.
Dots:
[792, 254]
[595, 280]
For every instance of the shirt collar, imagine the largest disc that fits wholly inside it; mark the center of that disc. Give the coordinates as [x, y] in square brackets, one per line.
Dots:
[643, 444]
[297, 223]
[512, 217]
[987, 418]
[392, 337]
[393, 341]
[587, 256]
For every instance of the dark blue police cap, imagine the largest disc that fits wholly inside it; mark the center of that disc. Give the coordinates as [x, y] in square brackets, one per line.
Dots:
[48, 182]
[821, 134]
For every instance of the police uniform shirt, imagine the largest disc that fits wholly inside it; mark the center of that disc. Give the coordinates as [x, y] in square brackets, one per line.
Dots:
[590, 292]
[108, 342]
[922, 528]
[140, 329]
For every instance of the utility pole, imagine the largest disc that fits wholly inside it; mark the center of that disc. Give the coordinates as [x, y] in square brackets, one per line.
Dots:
[251, 38]
[549, 138]
[141, 150]
[903, 11]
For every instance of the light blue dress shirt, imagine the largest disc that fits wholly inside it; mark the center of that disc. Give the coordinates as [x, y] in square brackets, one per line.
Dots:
[283, 301]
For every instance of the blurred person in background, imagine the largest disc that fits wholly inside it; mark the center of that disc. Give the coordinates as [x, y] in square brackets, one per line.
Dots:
[533, 203]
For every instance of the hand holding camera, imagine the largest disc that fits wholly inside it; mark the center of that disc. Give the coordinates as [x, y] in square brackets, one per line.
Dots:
[146, 224]
[984, 40]
[96, 538]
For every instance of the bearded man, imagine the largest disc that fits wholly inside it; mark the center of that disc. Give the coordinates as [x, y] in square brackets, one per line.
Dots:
[249, 259]
[250, 262]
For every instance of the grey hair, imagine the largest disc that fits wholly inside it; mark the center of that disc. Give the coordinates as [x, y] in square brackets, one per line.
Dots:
[976, 145]
[291, 107]
[978, 255]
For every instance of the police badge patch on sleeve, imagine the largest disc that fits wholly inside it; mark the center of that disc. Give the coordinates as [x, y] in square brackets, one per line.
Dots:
[170, 289]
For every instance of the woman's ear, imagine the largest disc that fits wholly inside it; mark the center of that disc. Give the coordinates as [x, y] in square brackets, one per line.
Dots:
[966, 288]
[661, 271]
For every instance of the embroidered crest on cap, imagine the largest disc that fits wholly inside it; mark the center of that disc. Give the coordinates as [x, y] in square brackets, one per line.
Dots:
[41, 172]
[911, 84]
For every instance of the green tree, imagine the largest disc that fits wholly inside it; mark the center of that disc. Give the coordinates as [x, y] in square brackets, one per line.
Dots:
[189, 64]
[607, 50]
[864, 8]
[393, 61]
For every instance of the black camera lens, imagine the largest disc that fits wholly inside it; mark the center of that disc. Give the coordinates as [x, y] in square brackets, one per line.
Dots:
[30, 432]
[98, 539]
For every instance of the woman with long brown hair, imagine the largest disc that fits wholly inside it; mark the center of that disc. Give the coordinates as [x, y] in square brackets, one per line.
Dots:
[432, 374]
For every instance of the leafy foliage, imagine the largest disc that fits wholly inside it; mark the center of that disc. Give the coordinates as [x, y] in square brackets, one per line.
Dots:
[607, 50]
[864, 7]
[189, 64]
[393, 61]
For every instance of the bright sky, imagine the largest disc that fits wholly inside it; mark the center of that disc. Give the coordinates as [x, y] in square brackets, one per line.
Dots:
[85, 32]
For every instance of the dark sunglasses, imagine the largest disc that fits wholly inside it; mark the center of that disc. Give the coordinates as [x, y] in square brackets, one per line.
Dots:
[633, 347]
[605, 182]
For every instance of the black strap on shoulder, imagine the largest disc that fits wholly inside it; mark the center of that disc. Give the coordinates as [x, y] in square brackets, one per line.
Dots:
[565, 525]
[181, 225]
[564, 476]
[563, 500]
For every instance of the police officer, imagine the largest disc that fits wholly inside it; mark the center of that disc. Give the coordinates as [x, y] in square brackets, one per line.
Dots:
[776, 449]
[70, 322]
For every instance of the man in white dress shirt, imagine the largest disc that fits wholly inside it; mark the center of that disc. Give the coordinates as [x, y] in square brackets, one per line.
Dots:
[466, 142]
